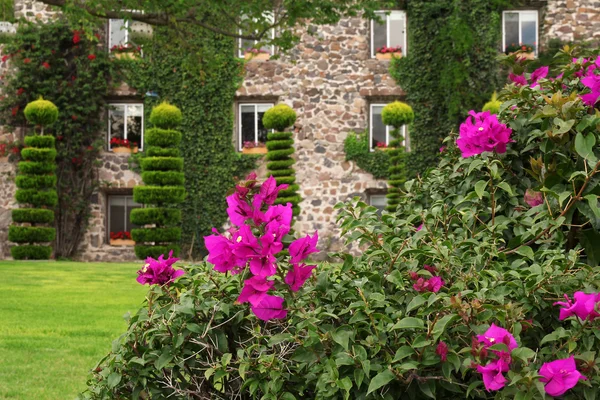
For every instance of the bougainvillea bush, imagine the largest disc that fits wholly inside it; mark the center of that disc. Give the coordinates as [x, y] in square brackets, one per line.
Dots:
[480, 285]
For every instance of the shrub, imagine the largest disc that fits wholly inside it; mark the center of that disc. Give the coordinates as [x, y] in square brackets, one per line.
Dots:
[42, 142]
[143, 251]
[41, 112]
[162, 164]
[36, 154]
[279, 165]
[153, 151]
[282, 154]
[162, 137]
[279, 152]
[36, 181]
[279, 144]
[159, 194]
[33, 215]
[159, 216]
[163, 178]
[279, 117]
[357, 149]
[31, 252]
[30, 234]
[36, 168]
[397, 114]
[165, 116]
[37, 198]
[141, 235]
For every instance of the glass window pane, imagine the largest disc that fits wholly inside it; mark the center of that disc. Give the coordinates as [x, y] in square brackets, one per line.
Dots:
[406, 138]
[379, 202]
[247, 119]
[247, 44]
[116, 221]
[511, 29]
[262, 131]
[378, 129]
[263, 107]
[379, 33]
[118, 33]
[528, 29]
[397, 29]
[116, 121]
[134, 123]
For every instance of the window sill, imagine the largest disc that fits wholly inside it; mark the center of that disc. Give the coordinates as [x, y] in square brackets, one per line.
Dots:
[122, 242]
[256, 57]
[123, 150]
[388, 56]
[526, 56]
[126, 56]
[255, 150]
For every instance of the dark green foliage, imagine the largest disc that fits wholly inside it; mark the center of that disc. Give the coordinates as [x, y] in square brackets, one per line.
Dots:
[279, 117]
[37, 198]
[165, 116]
[33, 215]
[40, 141]
[143, 251]
[163, 178]
[35, 181]
[32, 168]
[31, 252]
[397, 114]
[451, 68]
[30, 234]
[157, 235]
[282, 172]
[286, 179]
[357, 149]
[162, 164]
[162, 137]
[159, 216]
[280, 155]
[279, 165]
[41, 112]
[279, 144]
[35, 154]
[154, 151]
[274, 136]
[159, 194]
[283, 154]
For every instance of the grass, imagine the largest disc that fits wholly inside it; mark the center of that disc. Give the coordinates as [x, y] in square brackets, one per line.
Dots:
[57, 319]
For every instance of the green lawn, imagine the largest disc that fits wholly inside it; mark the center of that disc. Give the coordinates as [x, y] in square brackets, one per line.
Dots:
[57, 319]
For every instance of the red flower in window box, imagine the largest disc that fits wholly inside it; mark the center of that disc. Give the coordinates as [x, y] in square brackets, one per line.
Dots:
[381, 145]
[122, 238]
[386, 50]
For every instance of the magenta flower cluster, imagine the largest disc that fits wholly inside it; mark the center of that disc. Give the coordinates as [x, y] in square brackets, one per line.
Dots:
[591, 80]
[584, 306]
[252, 244]
[159, 272]
[536, 75]
[433, 284]
[482, 132]
[533, 198]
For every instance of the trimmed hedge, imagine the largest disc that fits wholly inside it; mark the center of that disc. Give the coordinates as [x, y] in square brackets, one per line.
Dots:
[35, 181]
[30, 234]
[159, 194]
[279, 144]
[163, 178]
[279, 117]
[33, 215]
[162, 137]
[162, 164]
[37, 198]
[38, 154]
[41, 112]
[166, 116]
[283, 154]
[157, 235]
[279, 165]
[158, 216]
[31, 252]
[153, 151]
[36, 168]
[41, 142]
[144, 251]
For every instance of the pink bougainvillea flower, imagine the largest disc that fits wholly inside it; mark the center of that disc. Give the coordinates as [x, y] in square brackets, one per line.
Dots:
[432, 270]
[278, 219]
[492, 375]
[560, 376]
[591, 81]
[413, 275]
[431, 285]
[263, 266]
[419, 227]
[495, 335]
[270, 307]
[538, 74]
[442, 350]
[298, 275]
[220, 254]
[533, 198]
[518, 80]
[584, 306]
[303, 247]
[246, 244]
[482, 132]
[254, 290]
[269, 190]
[159, 272]
[442, 149]
[238, 209]
[270, 244]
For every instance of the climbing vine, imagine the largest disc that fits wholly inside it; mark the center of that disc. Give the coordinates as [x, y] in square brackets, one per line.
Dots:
[450, 68]
[202, 84]
[357, 149]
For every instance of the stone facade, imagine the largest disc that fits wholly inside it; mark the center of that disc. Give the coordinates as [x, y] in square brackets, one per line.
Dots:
[330, 80]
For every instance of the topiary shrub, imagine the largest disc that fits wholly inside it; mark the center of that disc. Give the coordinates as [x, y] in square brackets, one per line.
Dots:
[36, 187]
[279, 153]
[396, 114]
[164, 187]
[493, 106]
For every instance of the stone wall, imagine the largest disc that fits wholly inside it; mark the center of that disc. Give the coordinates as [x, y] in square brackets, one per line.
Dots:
[572, 20]
[34, 10]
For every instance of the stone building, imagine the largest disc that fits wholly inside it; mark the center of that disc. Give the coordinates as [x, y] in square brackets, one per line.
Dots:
[337, 85]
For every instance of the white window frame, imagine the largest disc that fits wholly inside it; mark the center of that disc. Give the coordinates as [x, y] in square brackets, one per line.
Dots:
[240, 142]
[387, 24]
[537, 28]
[126, 23]
[110, 106]
[108, 203]
[387, 129]
[242, 51]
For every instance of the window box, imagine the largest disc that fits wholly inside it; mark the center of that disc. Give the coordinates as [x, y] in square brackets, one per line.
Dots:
[256, 56]
[125, 150]
[520, 27]
[526, 56]
[126, 56]
[379, 134]
[254, 150]
[125, 123]
[391, 32]
[122, 242]
[388, 56]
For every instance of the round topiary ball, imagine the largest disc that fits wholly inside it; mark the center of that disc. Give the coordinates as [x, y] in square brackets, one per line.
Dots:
[279, 117]
[166, 116]
[493, 106]
[41, 112]
[397, 114]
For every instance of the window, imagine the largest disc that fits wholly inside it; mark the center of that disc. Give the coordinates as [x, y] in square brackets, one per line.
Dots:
[118, 32]
[251, 127]
[119, 209]
[379, 201]
[126, 121]
[245, 44]
[391, 32]
[520, 27]
[379, 134]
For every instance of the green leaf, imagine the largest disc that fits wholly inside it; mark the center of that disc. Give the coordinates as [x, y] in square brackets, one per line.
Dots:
[359, 377]
[592, 200]
[113, 380]
[380, 380]
[526, 251]
[584, 146]
[409, 323]
[480, 188]
[341, 336]
[590, 240]
[276, 339]
[226, 359]
[440, 326]
[164, 359]
[415, 302]
[506, 187]
[523, 353]
[403, 352]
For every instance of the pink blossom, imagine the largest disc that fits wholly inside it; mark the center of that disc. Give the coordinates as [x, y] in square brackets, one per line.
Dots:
[584, 306]
[246, 244]
[303, 247]
[298, 275]
[431, 285]
[263, 266]
[442, 350]
[270, 307]
[238, 209]
[518, 80]
[419, 227]
[221, 255]
[538, 74]
[430, 268]
[254, 290]
[533, 198]
[278, 219]
[492, 374]
[591, 81]
[159, 272]
[442, 149]
[560, 376]
[495, 335]
[269, 190]
[482, 132]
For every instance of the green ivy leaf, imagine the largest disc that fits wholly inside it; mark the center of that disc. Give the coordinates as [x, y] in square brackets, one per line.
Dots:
[584, 146]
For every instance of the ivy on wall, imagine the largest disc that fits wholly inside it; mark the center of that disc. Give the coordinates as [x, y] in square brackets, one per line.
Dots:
[450, 69]
[202, 84]
[357, 149]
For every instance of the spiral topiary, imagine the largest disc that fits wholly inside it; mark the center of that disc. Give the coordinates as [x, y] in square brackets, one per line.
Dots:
[279, 153]
[36, 189]
[396, 114]
[162, 173]
[493, 106]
